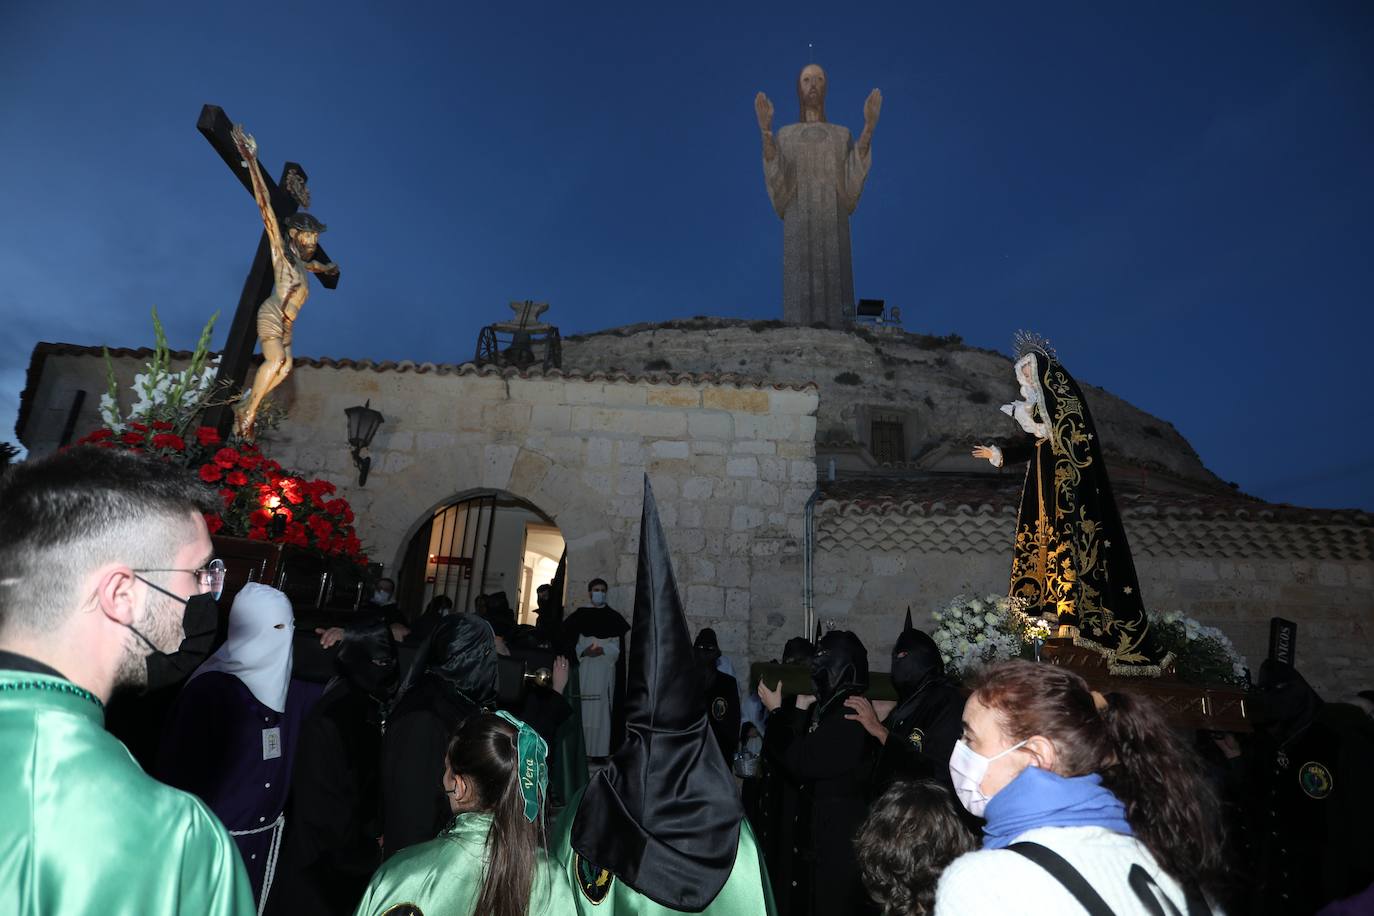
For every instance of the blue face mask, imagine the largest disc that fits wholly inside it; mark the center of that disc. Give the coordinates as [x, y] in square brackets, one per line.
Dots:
[598, 598]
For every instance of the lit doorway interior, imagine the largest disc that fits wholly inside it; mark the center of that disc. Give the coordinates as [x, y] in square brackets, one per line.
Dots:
[489, 541]
[539, 564]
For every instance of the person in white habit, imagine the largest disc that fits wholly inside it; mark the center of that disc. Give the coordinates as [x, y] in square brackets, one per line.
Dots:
[232, 734]
[597, 633]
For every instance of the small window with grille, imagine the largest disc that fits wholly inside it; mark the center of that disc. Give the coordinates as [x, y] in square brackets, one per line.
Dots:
[887, 441]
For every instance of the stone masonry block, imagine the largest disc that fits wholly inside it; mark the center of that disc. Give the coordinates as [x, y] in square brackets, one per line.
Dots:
[706, 600]
[697, 488]
[745, 518]
[742, 467]
[762, 493]
[690, 515]
[737, 603]
[661, 424]
[667, 448]
[624, 394]
[497, 463]
[736, 400]
[600, 452]
[755, 447]
[772, 469]
[555, 417]
[702, 425]
[630, 451]
[578, 392]
[506, 416]
[793, 402]
[539, 391]
[676, 396]
[528, 471]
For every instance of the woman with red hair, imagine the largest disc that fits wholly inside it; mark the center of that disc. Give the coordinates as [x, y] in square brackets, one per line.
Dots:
[1088, 798]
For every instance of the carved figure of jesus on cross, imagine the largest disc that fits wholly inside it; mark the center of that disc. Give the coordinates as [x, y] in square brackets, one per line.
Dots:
[277, 284]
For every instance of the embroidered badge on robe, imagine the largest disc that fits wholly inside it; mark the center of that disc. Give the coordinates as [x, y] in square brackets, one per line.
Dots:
[718, 708]
[917, 739]
[595, 882]
[1315, 780]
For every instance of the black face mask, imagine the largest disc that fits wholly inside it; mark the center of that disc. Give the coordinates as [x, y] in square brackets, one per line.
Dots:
[200, 621]
[840, 663]
[367, 661]
[915, 662]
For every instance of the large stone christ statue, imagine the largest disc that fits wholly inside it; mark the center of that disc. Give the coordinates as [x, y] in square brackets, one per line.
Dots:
[814, 173]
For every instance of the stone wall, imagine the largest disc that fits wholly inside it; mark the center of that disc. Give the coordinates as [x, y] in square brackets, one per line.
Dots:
[1232, 573]
[732, 466]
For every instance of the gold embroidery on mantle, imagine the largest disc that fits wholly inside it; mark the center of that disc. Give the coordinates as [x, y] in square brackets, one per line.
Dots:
[1054, 560]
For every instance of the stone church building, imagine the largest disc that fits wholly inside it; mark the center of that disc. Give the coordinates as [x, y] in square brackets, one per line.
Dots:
[802, 474]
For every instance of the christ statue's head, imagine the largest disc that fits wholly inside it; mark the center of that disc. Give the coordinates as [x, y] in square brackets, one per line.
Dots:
[304, 231]
[811, 86]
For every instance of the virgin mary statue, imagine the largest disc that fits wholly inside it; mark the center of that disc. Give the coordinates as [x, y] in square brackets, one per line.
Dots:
[1070, 558]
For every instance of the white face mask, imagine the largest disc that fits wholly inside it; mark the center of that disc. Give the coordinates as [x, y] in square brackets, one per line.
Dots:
[598, 598]
[967, 768]
[381, 597]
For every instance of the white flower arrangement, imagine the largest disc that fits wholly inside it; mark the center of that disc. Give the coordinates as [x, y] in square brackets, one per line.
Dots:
[974, 631]
[1203, 654]
[162, 394]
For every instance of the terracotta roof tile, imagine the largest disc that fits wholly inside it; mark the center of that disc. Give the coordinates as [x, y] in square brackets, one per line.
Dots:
[977, 514]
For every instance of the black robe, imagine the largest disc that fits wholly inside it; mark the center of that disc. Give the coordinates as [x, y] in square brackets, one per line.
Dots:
[414, 807]
[334, 818]
[781, 818]
[1070, 556]
[1310, 802]
[922, 731]
[602, 623]
[722, 706]
[831, 758]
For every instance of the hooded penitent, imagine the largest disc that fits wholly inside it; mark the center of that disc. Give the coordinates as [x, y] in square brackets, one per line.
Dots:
[367, 660]
[1070, 555]
[839, 667]
[459, 657]
[1283, 702]
[258, 650]
[664, 817]
[798, 651]
[915, 662]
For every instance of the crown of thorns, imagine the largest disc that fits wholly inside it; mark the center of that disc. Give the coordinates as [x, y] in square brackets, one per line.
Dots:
[303, 222]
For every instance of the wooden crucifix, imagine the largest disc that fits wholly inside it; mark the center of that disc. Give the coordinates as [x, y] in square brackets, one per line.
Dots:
[276, 285]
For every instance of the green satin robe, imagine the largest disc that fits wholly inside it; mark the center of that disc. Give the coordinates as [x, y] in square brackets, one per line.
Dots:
[83, 830]
[746, 892]
[444, 876]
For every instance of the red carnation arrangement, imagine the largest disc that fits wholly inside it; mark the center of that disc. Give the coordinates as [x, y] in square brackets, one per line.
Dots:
[261, 500]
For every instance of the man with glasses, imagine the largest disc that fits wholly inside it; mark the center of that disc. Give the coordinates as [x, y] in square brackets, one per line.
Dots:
[103, 554]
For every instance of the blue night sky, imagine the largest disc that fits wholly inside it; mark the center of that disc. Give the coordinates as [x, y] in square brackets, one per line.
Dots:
[1180, 195]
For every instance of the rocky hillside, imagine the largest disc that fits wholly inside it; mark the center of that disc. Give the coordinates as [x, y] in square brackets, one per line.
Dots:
[950, 391]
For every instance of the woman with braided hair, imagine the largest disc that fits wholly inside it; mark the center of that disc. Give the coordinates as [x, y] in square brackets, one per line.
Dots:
[490, 859]
[1091, 802]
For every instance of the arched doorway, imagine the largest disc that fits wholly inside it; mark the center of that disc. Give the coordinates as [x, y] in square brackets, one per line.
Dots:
[483, 542]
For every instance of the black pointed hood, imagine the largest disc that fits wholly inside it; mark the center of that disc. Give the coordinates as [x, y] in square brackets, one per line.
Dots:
[664, 817]
[908, 627]
[916, 662]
